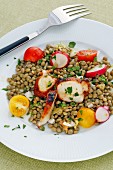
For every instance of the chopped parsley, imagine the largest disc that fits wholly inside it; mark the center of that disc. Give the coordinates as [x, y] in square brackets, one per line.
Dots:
[19, 62]
[70, 98]
[39, 61]
[12, 116]
[72, 103]
[42, 128]
[62, 105]
[95, 59]
[70, 119]
[49, 84]
[24, 90]
[18, 127]
[5, 89]
[80, 119]
[24, 126]
[21, 117]
[54, 57]
[81, 112]
[55, 75]
[47, 57]
[71, 44]
[68, 90]
[76, 68]
[94, 81]
[79, 73]
[53, 67]
[14, 58]
[103, 79]
[76, 94]
[6, 126]
[7, 65]
[25, 136]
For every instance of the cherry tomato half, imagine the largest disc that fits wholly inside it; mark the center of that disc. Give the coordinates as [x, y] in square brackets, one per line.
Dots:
[86, 55]
[33, 54]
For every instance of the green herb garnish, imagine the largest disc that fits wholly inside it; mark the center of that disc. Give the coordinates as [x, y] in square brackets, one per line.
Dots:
[68, 90]
[54, 57]
[70, 98]
[55, 75]
[72, 44]
[76, 68]
[42, 128]
[24, 126]
[39, 61]
[53, 67]
[24, 90]
[18, 127]
[79, 73]
[95, 59]
[94, 81]
[103, 79]
[21, 117]
[6, 126]
[14, 58]
[80, 119]
[12, 116]
[25, 136]
[100, 65]
[70, 119]
[47, 57]
[72, 103]
[5, 89]
[81, 111]
[49, 84]
[19, 62]
[62, 105]
[76, 94]
[7, 65]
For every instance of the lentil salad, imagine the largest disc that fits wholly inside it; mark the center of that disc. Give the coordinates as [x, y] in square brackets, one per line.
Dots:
[63, 117]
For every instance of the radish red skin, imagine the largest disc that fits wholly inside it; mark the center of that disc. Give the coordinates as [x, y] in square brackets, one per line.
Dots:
[95, 73]
[99, 121]
[59, 52]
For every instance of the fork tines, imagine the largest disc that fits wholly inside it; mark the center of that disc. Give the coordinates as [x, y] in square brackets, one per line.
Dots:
[75, 9]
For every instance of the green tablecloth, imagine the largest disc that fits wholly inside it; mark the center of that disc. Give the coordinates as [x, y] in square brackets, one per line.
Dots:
[14, 13]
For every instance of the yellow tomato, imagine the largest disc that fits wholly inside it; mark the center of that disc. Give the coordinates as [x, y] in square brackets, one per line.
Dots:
[18, 105]
[86, 117]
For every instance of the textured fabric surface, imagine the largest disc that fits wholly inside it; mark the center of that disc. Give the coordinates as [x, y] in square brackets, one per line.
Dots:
[14, 13]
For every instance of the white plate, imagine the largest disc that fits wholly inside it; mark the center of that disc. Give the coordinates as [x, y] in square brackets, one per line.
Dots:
[45, 145]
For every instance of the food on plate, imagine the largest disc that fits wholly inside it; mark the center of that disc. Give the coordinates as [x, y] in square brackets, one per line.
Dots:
[62, 90]
[86, 117]
[102, 114]
[59, 59]
[86, 55]
[18, 105]
[72, 89]
[33, 54]
[43, 84]
[45, 116]
[97, 70]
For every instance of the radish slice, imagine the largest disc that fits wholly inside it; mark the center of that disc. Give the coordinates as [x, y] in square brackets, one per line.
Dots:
[60, 59]
[97, 70]
[106, 107]
[102, 115]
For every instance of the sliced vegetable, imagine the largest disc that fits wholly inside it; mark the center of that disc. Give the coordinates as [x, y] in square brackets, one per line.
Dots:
[72, 90]
[102, 114]
[86, 55]
[97, 70]
[33, 54]
[59, 59]
[51, 97]
[18, 105]
[86, 117]
[43, 84]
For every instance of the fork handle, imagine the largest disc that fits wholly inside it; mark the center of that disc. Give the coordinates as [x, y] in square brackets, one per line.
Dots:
[17, 43]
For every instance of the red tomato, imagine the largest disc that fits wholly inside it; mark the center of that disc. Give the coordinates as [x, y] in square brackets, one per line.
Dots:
[86, 55]
[33, 54]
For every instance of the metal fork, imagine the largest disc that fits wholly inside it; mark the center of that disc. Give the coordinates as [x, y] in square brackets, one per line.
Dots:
[58, 16]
